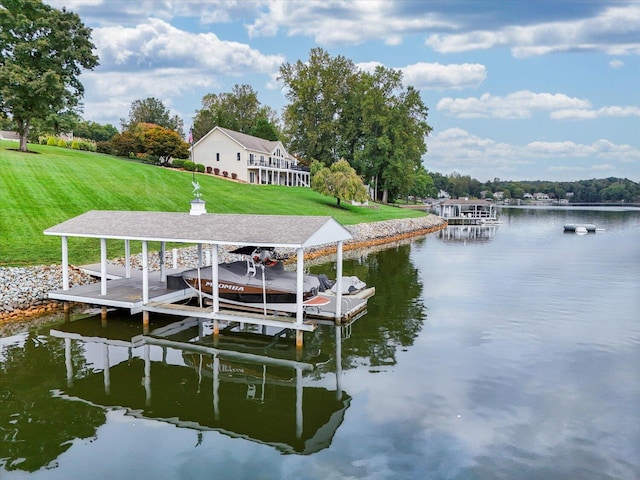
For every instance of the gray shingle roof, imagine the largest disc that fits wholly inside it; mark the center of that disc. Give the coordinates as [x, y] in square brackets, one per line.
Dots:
[224, 229]
[250, 142]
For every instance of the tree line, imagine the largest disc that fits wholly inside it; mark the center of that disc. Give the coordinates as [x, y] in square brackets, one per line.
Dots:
[603, 190]
[352, 127]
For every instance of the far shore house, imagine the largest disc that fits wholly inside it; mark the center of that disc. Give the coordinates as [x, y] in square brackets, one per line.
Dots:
[249, 159]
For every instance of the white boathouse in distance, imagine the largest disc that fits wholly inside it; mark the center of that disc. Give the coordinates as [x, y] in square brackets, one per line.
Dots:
[211, 230]
[463, 211]
[249, 159]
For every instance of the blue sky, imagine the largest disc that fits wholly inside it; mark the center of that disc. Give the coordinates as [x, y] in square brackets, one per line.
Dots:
[518, 90]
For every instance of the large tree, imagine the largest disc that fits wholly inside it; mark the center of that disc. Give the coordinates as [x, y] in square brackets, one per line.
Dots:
[370, 119]
[238, 110]
[318, 91]
[42, 53]
[152, 110]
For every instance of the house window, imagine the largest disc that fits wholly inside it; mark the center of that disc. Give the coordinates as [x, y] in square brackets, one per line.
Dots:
[217, 157]
[251, 159]
[238, 156]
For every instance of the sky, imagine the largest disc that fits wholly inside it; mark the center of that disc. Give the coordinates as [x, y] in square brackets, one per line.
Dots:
[516, 89]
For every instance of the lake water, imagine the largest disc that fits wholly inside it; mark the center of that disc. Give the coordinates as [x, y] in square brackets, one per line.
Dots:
[505, 352]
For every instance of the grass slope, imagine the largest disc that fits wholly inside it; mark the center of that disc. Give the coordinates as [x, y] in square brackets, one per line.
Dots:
[41, 189]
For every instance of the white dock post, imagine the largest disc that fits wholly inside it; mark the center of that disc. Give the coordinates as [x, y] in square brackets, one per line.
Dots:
[338, 362]
[163, 270]
[215, 287]
[175, 258]
[299, 295]
[127, 259]
[65, 264]
[339, 282]
[103, 266]
[145, 284]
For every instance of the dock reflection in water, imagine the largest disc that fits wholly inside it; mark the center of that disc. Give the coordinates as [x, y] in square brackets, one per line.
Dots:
[468, 233]
[246, 384]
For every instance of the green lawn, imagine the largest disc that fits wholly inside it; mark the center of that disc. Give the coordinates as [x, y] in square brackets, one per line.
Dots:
[41, 189]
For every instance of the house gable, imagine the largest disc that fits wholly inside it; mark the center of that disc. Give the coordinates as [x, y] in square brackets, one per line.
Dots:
[248, 158]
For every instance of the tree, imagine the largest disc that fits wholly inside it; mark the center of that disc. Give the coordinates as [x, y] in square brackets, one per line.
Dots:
[318, 92]
[94, 131]
[42, 53]
[263, 128]
[164, 144]
[152, 110]
[370, 119]
[339, 180]
[238, 110]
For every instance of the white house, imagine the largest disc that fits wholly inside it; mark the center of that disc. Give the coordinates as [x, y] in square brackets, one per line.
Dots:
[249, 159]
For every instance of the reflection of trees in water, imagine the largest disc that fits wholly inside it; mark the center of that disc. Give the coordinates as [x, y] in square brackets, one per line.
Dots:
[36, 427]
[394, 315]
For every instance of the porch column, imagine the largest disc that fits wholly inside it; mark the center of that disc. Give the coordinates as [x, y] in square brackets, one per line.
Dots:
[65, 264]
[103, 266]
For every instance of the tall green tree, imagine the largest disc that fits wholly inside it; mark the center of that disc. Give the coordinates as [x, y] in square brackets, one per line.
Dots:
[369, 119]
[318, 91]
[152, 110]
[42, 53]
[238, 110]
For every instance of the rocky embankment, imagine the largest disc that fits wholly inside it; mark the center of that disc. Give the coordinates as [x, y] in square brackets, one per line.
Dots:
[23, 290]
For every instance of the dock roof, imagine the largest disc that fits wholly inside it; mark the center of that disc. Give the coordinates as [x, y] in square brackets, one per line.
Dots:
[223, 229]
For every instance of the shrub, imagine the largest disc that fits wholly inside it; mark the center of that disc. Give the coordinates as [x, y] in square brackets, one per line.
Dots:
[225, 173]
[75, 145]
[103, 147]
[51, 141]
[189, 165]
[178, 162]
[216, 171]
[234, 175]
[209, 169]
[200, 168]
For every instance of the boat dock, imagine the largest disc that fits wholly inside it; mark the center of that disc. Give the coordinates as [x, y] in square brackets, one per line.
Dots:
[462, 211]
[148, 292]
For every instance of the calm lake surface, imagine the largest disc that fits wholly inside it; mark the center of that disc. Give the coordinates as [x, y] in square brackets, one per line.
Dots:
[506, 352]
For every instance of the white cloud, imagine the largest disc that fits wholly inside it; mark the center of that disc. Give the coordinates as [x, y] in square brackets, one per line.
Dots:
[159, 43]
[612, 31]
[426, 76]
[457, 150]
[589, 114]
[435, 75]
[521, 104]
[616, 63]
[336, 22]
